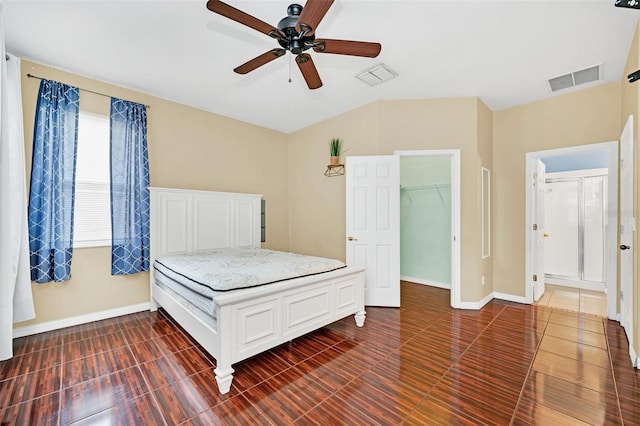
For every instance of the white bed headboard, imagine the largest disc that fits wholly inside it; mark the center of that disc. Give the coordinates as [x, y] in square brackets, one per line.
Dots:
[187, 221]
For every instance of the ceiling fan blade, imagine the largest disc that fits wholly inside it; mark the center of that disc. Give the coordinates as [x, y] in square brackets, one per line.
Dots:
[312, 13]
[309, 71]
[242, 17]
[259, 61]
[348, 47]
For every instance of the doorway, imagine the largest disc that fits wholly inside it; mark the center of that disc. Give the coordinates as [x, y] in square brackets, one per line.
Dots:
[533, 249]
[430, 219]
[575, 227]
[425, 220]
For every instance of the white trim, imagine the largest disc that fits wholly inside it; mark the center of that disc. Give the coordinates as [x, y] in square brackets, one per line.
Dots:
[509, 297]
[77, 320]
[577, 173]
[568, 282]
[421, 281]
[611, 237]
[454, 155]
[486, 233]
[634, 357]
[477, 305]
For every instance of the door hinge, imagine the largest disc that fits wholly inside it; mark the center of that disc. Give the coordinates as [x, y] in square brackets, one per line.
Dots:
[535, 226]
[535, 278]
[621, 295]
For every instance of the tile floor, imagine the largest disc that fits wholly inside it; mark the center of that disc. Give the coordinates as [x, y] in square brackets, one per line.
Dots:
[422, 364]
[574, 299]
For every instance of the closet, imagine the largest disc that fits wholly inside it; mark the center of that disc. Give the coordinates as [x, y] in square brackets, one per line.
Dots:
[425, 220]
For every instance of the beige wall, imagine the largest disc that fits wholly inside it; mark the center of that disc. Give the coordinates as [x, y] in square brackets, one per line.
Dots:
[485, 159]
[188, 148]
[317, 203]
[631, 105]
[583, 117]
[191, 148]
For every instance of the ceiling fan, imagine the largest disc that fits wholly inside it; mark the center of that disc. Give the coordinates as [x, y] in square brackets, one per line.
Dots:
[296, 33]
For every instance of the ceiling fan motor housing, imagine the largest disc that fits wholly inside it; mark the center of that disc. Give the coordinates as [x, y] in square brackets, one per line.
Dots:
[295, 41]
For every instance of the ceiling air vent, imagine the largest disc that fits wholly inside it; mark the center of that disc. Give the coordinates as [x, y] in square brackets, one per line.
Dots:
[576, 78]
[376, 75]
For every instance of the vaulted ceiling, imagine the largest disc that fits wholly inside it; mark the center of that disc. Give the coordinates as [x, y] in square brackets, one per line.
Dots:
[503, 52]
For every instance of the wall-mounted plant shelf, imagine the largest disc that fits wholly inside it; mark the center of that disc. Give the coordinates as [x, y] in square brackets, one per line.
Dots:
[334, 170]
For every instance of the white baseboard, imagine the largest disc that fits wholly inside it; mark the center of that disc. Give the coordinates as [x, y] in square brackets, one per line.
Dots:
[489, 297]
[425, 282]
[80, 319]
[634, 357]
[477, 305]
[509, 297]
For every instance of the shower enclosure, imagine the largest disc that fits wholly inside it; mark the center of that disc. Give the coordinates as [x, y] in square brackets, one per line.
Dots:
[575, 217]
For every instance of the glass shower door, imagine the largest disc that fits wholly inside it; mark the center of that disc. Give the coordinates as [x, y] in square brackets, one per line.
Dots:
[575, 223]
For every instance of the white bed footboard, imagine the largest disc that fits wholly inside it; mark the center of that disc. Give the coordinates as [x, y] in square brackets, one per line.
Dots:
[252, 320]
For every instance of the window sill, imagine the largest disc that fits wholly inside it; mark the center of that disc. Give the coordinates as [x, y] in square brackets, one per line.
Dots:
[91, 243]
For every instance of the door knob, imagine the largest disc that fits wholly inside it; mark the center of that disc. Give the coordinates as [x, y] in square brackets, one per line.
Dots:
[352, 239]
[624, 247]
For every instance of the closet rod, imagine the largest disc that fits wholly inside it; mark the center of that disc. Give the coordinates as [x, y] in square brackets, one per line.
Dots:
[84, 90]
[432, 186]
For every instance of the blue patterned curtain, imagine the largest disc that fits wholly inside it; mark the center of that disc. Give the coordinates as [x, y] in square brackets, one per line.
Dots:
[55, 141]
[129, 188]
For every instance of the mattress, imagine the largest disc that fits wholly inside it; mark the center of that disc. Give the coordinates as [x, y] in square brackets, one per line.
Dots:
[207, 273]
[200, 302]
[181, 295]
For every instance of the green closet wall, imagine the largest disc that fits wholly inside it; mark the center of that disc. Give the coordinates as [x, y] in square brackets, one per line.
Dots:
[425, 220]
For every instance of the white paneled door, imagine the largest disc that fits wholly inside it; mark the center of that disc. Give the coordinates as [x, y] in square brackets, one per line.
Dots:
[627, 227]
[373, 225]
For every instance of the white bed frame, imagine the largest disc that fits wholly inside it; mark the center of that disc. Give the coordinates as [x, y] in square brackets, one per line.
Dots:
[252, 320]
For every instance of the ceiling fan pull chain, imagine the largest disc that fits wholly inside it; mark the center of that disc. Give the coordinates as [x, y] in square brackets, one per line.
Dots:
[289, 68]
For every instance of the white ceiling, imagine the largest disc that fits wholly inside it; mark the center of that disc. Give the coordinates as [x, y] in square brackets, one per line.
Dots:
[500, 51]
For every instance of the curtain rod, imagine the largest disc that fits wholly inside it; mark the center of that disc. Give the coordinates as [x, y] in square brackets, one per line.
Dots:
[80, 88]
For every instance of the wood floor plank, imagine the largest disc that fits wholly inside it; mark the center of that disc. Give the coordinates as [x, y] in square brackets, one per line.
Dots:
[29, 386]
[137, 411]
[236, 411]
[574, 371]
[573, 400]
[31, 361]
[577, 335]
[90, 367]
[93, 396]
[575, 350]
[421, 364]
[430, 412]
[44, 410]
[287, 396]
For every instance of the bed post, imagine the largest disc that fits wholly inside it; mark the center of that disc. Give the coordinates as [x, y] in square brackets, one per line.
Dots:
[223, 370]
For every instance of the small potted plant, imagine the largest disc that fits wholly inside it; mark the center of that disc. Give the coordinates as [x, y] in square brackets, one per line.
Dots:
[335, 148]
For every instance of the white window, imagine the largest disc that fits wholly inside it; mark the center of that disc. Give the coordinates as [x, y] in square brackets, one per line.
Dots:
[92, 213]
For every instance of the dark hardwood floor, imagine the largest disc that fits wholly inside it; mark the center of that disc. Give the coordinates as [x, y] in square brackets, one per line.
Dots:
[422, 364]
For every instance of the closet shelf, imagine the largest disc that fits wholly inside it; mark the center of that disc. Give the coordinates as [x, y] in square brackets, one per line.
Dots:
[334, 170]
